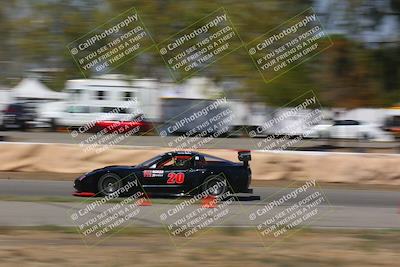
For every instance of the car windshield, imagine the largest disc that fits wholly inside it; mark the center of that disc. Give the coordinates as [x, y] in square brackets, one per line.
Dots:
[149, 162]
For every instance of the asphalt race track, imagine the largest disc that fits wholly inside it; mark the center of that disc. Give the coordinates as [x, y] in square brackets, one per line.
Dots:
[343, 209]
[223, 143]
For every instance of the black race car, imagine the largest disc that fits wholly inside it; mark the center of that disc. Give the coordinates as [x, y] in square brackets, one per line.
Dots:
[174, 173]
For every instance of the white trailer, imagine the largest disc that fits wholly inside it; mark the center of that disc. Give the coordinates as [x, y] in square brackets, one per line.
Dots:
[108, 97]
[5, 100]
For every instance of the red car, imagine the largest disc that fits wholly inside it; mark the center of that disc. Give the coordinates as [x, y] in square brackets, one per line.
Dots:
[136, 125]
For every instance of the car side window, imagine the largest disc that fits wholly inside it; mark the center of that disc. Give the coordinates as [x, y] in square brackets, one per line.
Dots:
[346, 123]
[199, 162]
[176, 162]
[184, 162]
[165, 163]
[78, 109]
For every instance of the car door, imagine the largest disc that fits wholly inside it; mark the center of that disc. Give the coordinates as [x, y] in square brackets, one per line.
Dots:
[180, 176]
[336, 130]
[358, 130]
[353, 129]
[187, 176]
[165, 176]
[151, 176]
[76, 116]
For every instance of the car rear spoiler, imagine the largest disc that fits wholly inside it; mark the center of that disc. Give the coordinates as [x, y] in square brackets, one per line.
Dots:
[245, 156]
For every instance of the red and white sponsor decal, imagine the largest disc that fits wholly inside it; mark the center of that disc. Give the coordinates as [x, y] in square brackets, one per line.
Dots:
[153, 173]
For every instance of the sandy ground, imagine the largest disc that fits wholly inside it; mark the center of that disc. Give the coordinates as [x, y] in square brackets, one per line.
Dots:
[228, 247]
[362, 169]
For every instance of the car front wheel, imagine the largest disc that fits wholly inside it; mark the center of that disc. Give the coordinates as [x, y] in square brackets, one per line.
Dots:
[109, 183]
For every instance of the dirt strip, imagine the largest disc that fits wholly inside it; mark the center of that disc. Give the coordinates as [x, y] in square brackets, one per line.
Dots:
[225, 247]
[324, 167]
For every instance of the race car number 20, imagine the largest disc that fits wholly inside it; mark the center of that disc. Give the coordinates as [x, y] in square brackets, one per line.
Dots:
[176, 178]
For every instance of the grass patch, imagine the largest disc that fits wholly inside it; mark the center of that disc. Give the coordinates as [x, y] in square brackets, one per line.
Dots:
[220, 247]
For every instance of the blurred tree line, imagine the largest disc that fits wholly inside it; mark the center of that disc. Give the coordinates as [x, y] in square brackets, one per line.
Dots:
[354, 72]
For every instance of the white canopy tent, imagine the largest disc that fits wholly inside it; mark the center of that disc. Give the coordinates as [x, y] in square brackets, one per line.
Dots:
[30, 88]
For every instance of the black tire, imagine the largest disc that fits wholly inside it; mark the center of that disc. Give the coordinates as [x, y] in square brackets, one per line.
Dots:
[364, 137]
[324, 135]
[53, 125]
[23, 126]
[210, 181]
[108, 184]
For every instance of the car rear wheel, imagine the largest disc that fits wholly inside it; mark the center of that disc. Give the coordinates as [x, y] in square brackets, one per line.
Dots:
[23, 126]
[215, 185]
[109, 183]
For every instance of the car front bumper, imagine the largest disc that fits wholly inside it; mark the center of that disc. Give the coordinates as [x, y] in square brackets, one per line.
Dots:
[78, 185]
